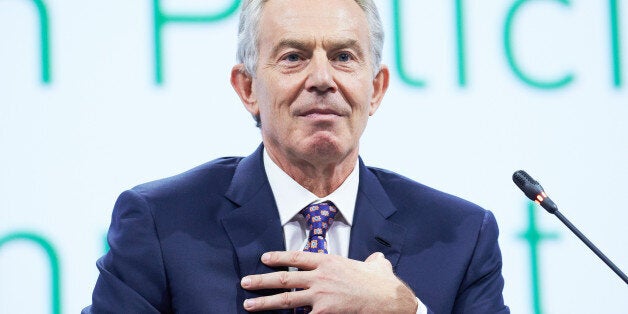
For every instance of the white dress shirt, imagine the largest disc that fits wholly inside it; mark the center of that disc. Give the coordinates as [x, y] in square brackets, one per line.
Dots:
[291, 198]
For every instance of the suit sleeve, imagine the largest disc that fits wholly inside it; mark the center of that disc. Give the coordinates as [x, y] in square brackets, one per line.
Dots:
[481, 288]
[132, 278]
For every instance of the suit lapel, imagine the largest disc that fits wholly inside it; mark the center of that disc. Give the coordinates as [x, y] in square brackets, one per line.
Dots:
[371, 230]
[253, 227]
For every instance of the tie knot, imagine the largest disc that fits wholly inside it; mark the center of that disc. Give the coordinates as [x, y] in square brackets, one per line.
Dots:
[319, 217]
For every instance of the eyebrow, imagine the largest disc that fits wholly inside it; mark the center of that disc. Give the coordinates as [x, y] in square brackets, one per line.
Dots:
[328, 44]
[339, 44]
[293, 43]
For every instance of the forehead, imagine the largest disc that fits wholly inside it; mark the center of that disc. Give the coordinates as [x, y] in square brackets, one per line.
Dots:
[313, 19]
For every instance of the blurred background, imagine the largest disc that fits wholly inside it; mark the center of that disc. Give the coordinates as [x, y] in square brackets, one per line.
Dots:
[99, 96]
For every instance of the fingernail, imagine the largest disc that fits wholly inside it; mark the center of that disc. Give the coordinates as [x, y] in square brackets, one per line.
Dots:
[265, 257]
[249, 303]
[246, 281]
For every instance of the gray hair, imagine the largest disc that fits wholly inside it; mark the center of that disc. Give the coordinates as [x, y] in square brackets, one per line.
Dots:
[248, 33]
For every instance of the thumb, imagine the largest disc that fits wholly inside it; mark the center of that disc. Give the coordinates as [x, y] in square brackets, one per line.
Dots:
[380, 260]
[375, 257]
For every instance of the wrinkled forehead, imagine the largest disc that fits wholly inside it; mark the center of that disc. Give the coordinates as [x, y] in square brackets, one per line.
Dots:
[313, 21]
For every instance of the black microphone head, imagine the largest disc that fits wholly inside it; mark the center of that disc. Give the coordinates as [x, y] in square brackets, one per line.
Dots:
[530, 187]
[533, 190]
[522, 178]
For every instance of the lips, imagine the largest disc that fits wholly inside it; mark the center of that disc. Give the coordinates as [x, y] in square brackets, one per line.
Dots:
[321, 112]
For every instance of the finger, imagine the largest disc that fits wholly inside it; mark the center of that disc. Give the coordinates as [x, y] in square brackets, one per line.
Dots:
[278, 280]
[375, 257]
[380, 260]
[284, 300]
[299, 259]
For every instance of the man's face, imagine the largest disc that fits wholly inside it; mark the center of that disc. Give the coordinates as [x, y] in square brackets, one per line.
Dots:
[314, 87]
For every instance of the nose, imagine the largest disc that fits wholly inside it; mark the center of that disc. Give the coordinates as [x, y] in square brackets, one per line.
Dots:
[320, 77]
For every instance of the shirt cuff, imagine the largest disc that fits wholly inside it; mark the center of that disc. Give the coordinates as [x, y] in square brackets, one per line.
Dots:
[421, 309]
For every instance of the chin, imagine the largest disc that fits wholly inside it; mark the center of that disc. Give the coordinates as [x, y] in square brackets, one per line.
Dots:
[324, 148]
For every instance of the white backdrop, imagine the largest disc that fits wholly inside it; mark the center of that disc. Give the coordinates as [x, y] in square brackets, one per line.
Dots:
[101, 124]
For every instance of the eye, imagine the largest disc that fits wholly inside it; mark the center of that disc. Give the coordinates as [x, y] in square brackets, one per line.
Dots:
[293, 57]
[344, 57]
[292, 60]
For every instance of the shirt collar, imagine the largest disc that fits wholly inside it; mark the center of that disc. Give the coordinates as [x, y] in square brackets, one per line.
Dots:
[291, 197]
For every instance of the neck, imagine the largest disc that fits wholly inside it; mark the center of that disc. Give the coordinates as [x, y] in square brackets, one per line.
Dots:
[321, 177]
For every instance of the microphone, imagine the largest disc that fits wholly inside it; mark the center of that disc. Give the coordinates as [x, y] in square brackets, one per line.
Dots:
[534, 191]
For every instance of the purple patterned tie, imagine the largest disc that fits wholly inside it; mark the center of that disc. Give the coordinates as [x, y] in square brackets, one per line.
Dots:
[319, 218]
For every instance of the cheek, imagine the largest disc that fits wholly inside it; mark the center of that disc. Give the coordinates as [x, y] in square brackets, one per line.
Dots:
[283, 91]
[266, 101]
[357, 89]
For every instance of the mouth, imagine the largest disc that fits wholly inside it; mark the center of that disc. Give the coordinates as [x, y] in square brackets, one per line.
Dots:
[320, 113]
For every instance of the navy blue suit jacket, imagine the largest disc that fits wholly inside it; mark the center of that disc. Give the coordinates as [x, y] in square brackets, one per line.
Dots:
[182, 244]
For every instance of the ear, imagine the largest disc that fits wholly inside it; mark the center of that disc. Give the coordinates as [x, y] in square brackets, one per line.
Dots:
[242, 84]
[380, 85]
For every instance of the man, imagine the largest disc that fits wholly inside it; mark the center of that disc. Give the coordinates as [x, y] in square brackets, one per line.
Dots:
[222, 237]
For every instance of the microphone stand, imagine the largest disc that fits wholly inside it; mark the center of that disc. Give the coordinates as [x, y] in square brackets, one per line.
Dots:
[591, 245]
[534, 191]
